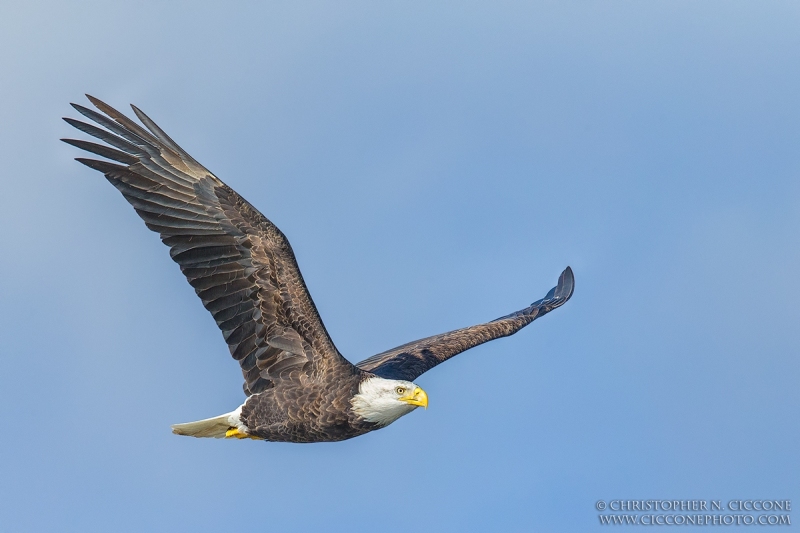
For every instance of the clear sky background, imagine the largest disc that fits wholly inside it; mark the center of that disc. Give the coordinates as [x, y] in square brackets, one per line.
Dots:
[435, 165]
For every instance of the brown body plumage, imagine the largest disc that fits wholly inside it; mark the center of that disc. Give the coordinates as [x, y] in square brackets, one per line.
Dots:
[299, 387]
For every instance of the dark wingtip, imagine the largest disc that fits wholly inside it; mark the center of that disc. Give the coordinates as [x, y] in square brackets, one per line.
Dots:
[95, 101]
[566, 285]
[558, 295]
[103, 166]
[75, 123]
[103, 151]
[78, 107]
[102, 106]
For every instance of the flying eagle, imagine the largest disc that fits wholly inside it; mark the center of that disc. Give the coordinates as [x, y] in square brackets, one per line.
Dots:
[299, 387]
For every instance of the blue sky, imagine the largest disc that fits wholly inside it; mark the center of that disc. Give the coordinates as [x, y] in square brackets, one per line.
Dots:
[434, 165]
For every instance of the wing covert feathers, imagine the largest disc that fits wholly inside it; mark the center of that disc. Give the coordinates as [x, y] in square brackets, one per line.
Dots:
[411, 360]
[240, 265]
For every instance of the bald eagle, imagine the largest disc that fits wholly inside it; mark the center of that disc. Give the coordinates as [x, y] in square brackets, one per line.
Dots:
[299, 387]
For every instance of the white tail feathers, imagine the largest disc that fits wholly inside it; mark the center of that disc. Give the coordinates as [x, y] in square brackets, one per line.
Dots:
[216, 427]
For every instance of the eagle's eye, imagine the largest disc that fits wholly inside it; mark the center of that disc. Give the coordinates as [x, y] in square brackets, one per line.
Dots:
[400, 390]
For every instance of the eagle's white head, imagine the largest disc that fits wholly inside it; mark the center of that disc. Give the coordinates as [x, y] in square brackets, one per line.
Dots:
[385, 400]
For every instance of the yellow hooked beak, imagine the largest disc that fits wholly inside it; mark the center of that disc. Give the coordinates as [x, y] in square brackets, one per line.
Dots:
[416, 397]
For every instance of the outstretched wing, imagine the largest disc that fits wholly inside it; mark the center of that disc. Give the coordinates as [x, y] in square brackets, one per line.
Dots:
[411, 360]
[238, 262]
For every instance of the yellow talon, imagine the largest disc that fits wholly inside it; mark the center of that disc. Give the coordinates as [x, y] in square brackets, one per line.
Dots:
[234, 432]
